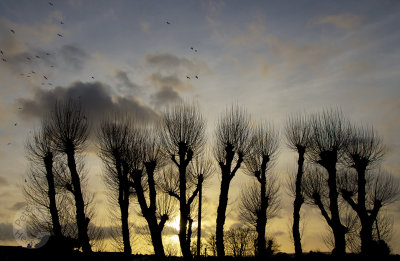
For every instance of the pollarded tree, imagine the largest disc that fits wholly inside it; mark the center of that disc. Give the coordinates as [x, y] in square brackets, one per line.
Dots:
[40, 154]
[379, 189]
[328, 140]
[261, 157]
[201, 169]
[364, 150]
[68, 129]
[183, 137]
[232, 144]
[113, 138]
[297, 132]
[145, 161]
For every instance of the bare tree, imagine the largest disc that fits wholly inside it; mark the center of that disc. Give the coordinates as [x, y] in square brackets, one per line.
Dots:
[201, 169]
[146, 160]
[297, 131]
[40, 153]
[379, 189]
[260, 159]
[364, 150]
[329, 138]
[68, 128]
[232, 145]
[113, 137]
[211, 243]
[239, 241]
[183, 137]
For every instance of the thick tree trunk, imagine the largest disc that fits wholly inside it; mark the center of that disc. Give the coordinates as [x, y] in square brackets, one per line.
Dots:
[48, 162]
[221, 211]
[298, 201]
[123, 200]
[81, 219]
[199, 221]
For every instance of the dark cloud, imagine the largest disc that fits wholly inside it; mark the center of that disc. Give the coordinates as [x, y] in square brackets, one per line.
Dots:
[166, 60]
[6, 231]
[17, 206]
[73, 57]
[96, 99]
[169, 80]
[125, 84]
[164, 96]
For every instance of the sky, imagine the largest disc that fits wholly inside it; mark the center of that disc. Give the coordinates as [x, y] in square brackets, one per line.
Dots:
[275, 58]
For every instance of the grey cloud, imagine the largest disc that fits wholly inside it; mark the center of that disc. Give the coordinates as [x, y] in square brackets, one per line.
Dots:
[125, 84]
[170, 80]
[166, 60]
[73, 57]
[6, 231]
[164, 96]
[96, 99]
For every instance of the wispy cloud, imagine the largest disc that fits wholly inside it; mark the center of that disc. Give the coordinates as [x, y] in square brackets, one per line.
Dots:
[341, 21]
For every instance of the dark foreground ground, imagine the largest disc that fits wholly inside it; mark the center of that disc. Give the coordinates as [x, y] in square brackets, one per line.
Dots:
[9, 253]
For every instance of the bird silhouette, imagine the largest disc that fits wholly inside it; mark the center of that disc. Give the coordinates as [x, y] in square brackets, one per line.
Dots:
[11, 30]
[50, 3]
[60, 35]
[1, 51]
[195, 50]
[188, 77]
[52, 66]
[9, 143]
[28, 58]
[93, 77]
[47, 54]
[15, 124]
[37, 56]
[45, 77]
[19, 108]
[197, 77]
[61, 22]
[4, 60]
[33, 72]
[191, 48]
[168, 22]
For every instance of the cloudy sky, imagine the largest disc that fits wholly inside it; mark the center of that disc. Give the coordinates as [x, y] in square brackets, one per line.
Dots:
[273, 57]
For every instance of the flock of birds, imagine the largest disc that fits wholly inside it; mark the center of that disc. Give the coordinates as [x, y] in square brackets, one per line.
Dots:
[44, 77]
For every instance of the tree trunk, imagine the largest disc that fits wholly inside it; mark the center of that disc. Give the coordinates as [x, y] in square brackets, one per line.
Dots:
[221, 211]
[82, 221]
[48, 162]
[199, 221]
[298, 201]
[123, 200]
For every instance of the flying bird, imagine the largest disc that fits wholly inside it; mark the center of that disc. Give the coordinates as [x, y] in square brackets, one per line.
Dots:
[188, 77]
[51, 66]
[33, 72]
[9, 143]
[28, 58]
[60, 35]
[37, 56]
[197, 77]
[15, 124]
[1, 51]
[50, 3]
[45, 77]
[168, 22]
[93, 77]
[191, 48]
[47, 54]
[61, 22]
[4, 60]
[20, 108]
[195, 50]
[11, 30]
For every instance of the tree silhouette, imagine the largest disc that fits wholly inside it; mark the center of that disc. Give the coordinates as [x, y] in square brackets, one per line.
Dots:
[365, 149]
[379, 190]
[183, 137]
[40, 154]
[231, 146]
[297, 132]
[146, 158]
[329, 138]
[202, 169]
[259, 199]
[113, 138]
[67, 126]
